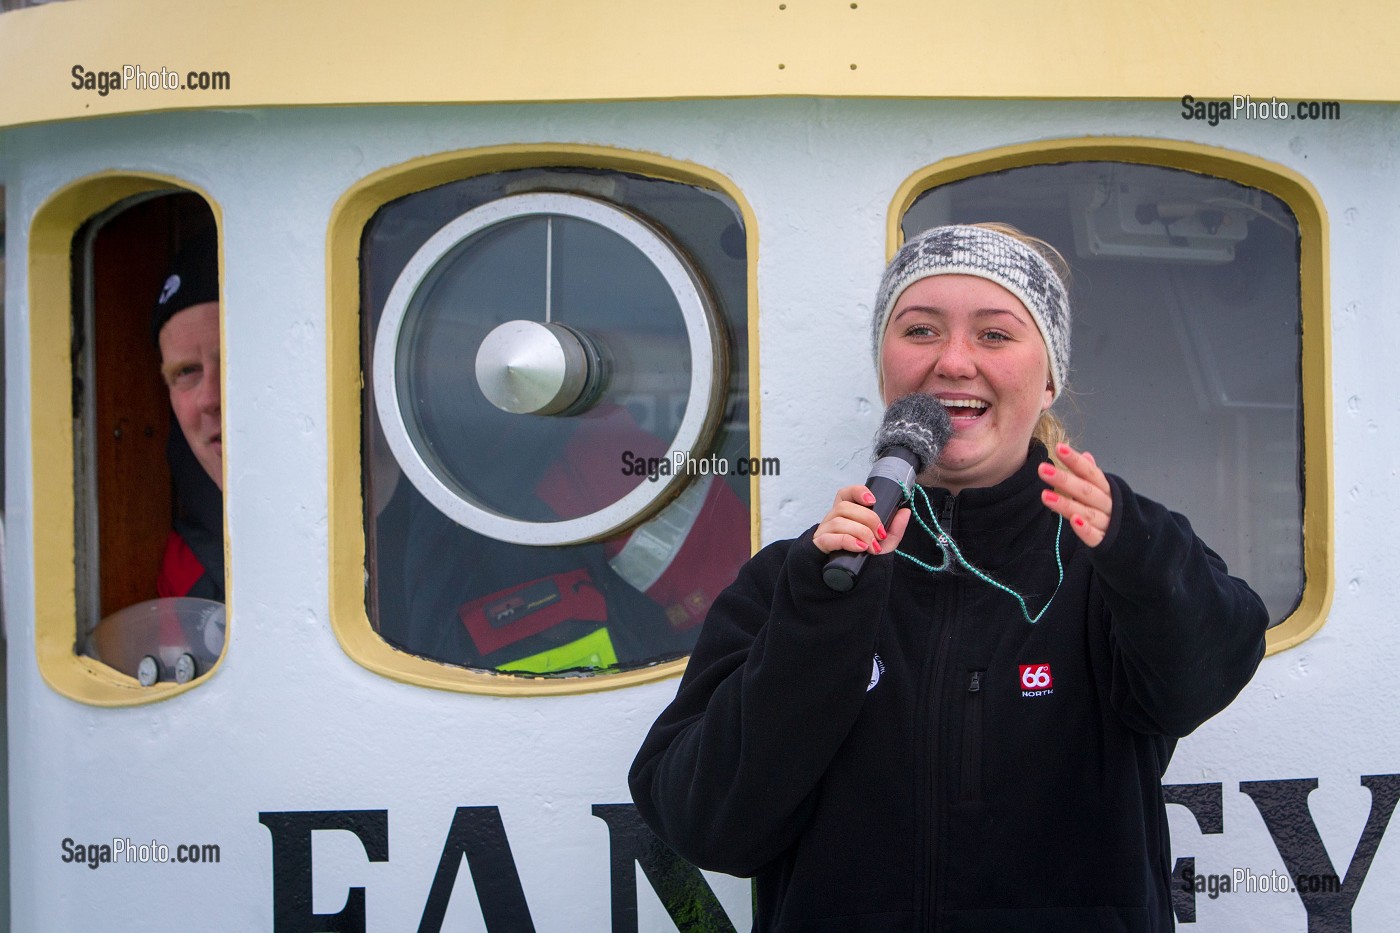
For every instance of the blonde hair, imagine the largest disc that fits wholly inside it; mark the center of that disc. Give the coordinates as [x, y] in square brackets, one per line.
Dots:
[1051, 432]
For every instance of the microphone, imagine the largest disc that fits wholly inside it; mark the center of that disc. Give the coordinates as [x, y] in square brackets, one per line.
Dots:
[913, 434]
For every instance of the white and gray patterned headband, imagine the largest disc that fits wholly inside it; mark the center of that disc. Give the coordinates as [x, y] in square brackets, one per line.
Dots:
[987, 254]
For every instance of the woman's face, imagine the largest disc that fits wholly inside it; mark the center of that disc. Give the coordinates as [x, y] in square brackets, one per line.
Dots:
[974, 346]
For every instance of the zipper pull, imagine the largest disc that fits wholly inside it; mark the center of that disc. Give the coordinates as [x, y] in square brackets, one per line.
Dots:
[975, 684]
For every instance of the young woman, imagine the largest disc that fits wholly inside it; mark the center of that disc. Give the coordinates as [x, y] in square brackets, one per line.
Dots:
[973, 737]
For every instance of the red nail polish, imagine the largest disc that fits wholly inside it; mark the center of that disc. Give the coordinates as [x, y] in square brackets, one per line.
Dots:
[1047, 469]
[1062, 450]
[1051, 498]
[875, 546]
[881, 533]
[1078, 522]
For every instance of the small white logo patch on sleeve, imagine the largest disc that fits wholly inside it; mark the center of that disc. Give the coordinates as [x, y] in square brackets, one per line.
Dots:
[877, 667]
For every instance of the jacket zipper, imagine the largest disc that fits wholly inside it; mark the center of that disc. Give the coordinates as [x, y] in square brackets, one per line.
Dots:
[946, 521]
[972, 739]
[935, 696]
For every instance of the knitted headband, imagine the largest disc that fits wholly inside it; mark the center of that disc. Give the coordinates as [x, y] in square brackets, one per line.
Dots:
[991, 255]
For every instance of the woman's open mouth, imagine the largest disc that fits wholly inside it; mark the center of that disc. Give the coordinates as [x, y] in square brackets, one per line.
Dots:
[964, 410]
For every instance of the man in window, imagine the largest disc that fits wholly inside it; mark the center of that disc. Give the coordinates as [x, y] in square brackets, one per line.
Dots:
[185, 325]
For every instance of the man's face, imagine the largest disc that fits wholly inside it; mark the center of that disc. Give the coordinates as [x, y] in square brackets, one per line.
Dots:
[189, 362]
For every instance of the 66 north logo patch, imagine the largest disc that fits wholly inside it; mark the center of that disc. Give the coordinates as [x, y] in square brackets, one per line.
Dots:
[1036, 680]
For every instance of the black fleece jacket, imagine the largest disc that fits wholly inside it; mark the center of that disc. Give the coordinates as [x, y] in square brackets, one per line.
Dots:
[913, 755]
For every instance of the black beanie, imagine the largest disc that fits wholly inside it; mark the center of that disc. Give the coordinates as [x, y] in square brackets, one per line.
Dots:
[193, 280]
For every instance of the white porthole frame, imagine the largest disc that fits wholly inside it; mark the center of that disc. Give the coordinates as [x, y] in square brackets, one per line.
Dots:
[703, 404]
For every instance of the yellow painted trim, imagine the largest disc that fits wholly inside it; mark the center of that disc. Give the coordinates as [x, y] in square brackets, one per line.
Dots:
[1314, 278]
[755, 409]
[55, 224]
[352, 212]
[328, 52]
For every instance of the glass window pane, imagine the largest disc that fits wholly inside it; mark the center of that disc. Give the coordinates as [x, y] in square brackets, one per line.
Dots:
[1186, 368]
[450, 586]
[147, 450]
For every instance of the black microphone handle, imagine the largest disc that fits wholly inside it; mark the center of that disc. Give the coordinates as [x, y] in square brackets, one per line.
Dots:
[896, 466]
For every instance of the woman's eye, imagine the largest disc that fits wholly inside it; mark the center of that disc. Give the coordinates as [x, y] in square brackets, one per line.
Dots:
[995, 336]
[919, 330]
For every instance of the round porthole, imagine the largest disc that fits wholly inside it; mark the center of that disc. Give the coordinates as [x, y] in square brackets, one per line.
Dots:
[546, 329]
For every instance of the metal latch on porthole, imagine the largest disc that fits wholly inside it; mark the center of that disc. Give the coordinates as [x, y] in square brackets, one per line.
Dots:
[531, 347]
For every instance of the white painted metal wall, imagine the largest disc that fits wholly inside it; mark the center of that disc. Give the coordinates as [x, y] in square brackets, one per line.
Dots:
[290, 723]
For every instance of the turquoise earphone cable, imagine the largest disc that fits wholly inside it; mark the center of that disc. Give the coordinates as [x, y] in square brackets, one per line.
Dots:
[950, 550]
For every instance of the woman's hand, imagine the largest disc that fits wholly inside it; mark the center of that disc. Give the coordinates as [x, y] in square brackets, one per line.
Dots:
[1079, 492]
[852, 525]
